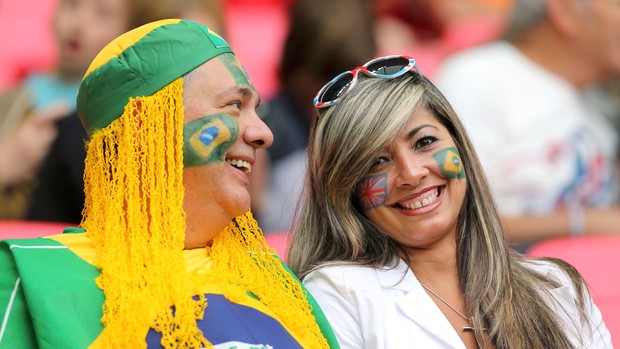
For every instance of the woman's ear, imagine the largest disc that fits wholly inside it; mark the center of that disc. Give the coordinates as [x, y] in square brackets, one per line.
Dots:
[566, 16]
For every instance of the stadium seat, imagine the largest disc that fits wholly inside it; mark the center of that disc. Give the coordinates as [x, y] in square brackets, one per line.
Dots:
[596, 258]
[278, 240]
[14, 229]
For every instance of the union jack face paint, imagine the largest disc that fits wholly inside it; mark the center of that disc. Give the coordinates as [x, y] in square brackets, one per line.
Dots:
[371, 191]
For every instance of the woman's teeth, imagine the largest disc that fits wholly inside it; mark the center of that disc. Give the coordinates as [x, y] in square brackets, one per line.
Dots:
[432, 197]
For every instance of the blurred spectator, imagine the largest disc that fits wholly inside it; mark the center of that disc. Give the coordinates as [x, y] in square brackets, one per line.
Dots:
[550, 157]
[316, 48]
[209, 13]
[30, 110]
[431, 30]
[324, 39]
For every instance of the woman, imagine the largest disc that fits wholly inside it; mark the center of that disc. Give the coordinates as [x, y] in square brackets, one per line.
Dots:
[398, 238]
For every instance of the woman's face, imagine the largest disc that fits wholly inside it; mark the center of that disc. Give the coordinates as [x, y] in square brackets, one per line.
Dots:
[415, 190]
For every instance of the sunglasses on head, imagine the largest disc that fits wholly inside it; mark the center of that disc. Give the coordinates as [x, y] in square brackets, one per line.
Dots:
[387, 67]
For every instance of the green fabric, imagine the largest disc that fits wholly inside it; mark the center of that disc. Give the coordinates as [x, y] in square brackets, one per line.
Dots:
[15, 326]
[320, 317]
[57, 295]
[160, 57]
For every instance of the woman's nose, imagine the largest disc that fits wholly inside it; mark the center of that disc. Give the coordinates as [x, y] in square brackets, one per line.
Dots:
[409, 172]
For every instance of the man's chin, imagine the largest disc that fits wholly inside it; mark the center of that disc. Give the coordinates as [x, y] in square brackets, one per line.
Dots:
[240, 210]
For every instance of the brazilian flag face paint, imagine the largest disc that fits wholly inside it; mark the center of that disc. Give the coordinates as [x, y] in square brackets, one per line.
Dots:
[450, 163]
[206, 140]
[236, 69]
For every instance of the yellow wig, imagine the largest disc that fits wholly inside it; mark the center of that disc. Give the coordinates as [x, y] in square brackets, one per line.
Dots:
[134, 199]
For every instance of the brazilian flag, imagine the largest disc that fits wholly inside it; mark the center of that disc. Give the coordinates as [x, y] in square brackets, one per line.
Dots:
[450, 163]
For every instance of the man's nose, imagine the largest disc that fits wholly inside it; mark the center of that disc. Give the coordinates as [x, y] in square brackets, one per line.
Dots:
[258, 133]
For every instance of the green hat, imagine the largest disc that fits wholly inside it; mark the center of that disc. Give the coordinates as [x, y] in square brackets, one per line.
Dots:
[140, 63]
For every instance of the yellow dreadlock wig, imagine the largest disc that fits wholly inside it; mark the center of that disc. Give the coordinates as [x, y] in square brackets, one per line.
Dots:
[131, 103]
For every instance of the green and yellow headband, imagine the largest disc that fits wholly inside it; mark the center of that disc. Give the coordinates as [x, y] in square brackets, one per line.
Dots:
[140, 63]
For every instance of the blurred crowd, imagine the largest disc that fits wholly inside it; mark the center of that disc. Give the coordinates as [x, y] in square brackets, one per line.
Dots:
[536, 83]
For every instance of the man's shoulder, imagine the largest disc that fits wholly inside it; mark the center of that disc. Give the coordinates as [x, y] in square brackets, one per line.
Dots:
[57, 287]
[55, 253]
[49, 266]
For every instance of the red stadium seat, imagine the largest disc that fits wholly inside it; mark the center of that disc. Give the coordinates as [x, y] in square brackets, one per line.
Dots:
[596, 258]
[256, 30]
[278, 240]
[10, 229]
[26, 39]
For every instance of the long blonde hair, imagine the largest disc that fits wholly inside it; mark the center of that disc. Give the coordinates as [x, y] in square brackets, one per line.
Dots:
[501, 292]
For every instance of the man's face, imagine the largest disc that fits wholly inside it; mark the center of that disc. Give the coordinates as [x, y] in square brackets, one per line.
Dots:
[221, 134]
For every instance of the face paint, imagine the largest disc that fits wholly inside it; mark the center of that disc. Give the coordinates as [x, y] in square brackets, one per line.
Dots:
[207, 139]
[371, 191]
[236, 69]
[450, 163]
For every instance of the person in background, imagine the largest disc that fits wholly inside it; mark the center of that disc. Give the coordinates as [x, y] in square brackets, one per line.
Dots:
[549, 154]
[56, 185]
[168, 254]
[399, 239]
[432, 30]
[29, 111]
[316, 48]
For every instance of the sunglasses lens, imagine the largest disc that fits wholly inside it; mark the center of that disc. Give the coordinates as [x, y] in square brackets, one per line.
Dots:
[337, 87]
[388, 66]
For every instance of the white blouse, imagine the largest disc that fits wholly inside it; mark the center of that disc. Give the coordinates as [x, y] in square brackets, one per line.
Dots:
[388, 308]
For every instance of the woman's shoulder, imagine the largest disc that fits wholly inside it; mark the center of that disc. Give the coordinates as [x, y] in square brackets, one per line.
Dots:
[363, 276]
[564, 281]
[554, 269]
[342, 271]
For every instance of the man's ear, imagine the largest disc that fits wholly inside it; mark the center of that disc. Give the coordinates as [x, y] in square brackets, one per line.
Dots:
[566, 16]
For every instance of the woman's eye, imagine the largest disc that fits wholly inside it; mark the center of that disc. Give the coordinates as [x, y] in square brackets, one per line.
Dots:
[379, 161]
[425, 142]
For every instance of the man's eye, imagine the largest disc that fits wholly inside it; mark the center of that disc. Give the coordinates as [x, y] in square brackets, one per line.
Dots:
[236, 104]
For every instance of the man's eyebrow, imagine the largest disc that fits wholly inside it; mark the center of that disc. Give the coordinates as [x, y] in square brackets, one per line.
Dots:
[413, 132]
[244, 91]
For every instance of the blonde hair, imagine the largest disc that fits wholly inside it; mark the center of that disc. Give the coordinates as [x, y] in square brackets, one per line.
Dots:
[501, 292]
[134, 216]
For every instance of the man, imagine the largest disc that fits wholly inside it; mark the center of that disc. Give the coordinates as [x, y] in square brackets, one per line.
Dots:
[168, 254]
[549, 155]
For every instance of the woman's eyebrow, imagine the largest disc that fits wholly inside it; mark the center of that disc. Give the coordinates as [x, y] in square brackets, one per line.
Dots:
[414, 131]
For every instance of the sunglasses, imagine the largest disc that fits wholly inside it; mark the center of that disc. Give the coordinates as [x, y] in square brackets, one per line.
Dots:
[387, 67]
